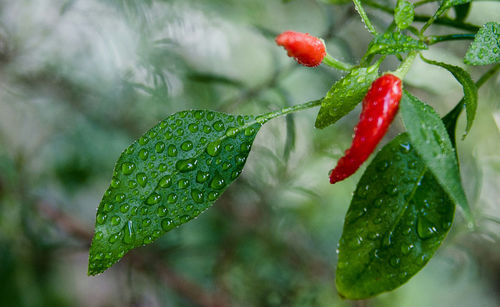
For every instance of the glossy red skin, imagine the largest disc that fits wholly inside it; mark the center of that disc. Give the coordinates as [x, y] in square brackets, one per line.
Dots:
[306, 49]
[380, 105]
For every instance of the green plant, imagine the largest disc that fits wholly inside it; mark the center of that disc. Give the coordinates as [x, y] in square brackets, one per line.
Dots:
[403, 205]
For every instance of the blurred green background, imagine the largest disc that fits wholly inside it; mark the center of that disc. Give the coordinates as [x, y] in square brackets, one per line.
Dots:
[80, 80]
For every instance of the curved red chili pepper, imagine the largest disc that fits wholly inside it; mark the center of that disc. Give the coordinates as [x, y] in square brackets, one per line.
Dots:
[380, 105]
[306, 49]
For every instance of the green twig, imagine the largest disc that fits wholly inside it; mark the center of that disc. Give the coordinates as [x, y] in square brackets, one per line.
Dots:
[332, 62]
[364, 17]
[405, 66]
[273, 114]
[433, 39]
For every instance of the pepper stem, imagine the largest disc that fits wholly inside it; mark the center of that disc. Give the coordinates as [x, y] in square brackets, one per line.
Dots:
[405, 66]
[333, 62]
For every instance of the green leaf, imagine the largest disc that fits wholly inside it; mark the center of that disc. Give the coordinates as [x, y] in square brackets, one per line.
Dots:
[485, 49]
[469, 88]
[345, 94]
[394, 43]
[403, 14]
[430, 138]
[461, 11]
[167, 177]
[398, 217]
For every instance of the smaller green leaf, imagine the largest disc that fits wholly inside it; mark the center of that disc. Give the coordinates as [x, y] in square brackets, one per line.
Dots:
[461, 11]
[345, 94]
[430, 138]
[485, 49]
[394, 43]
[403, 14]
[398, 217]
[168, 177]
[469, 87]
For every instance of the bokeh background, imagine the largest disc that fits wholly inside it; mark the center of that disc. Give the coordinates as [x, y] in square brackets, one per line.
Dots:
[81, 79]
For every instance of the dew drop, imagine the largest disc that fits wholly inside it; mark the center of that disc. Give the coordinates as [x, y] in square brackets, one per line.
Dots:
[425, 228]
[187, 146]
[108, 207]
[120, 197]
[160, 147]
[198, 114]
[98, 235]
[124, 208]
[167, 224]
[187, 165]
[217, 182]
[129, 235]
[165, 182]
[132, 184]
[142, 179]
[162, 211]
[143, 154]
[114, 238]
[193, 128]
[207, 129]
[214, 148]
[201, 177]
[172, 150]
[128, 168]
[213, 195]
[143, 140]
[162, 167]
[172, 198]
[394, 261]
[231, 132]
[183, 183]
[218, 125]
[153, 199]
[406, 249]
[146, 223]
[197, 195]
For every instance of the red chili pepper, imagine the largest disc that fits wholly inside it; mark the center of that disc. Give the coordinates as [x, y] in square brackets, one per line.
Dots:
[380, 105]
[306, 49]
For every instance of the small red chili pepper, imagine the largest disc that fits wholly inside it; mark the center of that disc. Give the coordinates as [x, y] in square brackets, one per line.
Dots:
[306, 49]
[380, 105]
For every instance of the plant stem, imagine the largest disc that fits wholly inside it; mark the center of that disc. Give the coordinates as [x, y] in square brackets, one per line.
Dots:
[364, 17]
[405, 66]
[273, 114]
[433, 39]
[332, 62]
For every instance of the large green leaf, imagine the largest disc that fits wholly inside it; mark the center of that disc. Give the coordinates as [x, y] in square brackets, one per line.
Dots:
[469, 88]
[485, 49]
[393, 43]
[430, 137]
[167, 177]
[403, 14]
[398, 217]
[345, 94]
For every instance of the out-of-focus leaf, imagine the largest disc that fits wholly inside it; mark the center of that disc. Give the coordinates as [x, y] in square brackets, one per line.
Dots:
[469, 88]
[398, 217]
[403, 14]
[167, 177]
[345, 94]
[485, 49]
[393, 43]
[430, 138]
